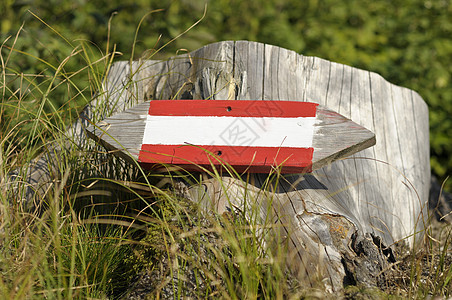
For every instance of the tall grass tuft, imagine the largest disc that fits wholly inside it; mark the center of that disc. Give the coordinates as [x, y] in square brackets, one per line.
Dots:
[48, 251]
[101, 224]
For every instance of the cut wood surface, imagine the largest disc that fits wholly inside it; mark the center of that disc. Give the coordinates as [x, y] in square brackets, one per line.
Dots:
[252, 136]
[378, 193]
[382, 190]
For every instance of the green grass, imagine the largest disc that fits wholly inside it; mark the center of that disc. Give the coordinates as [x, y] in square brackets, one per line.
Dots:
[106, 224]
[95, 230]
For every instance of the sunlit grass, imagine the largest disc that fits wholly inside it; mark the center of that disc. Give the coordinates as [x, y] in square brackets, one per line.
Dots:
[102, 225]
[85, 233]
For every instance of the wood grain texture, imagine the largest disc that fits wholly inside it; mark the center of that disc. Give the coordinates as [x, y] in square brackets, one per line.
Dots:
[381, 191]
[361, 185]
[123, 132]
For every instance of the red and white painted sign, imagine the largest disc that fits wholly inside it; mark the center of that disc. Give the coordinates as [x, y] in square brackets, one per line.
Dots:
[248, 135]
[254, 136]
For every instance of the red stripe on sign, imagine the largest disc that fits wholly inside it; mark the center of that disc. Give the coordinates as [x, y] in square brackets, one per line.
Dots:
[254, 159]
[233, 108]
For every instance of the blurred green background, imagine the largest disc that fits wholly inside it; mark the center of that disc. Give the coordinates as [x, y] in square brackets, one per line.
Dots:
[408, 42]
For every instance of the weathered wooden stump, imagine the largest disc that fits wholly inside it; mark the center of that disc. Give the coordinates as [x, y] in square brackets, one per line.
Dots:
[337, 215]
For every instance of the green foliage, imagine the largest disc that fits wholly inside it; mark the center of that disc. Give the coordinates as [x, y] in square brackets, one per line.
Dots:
[56, 64]
[55, 256]
[407, 42]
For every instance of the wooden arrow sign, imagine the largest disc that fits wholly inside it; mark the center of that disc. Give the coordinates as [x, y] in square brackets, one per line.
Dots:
[253, 136]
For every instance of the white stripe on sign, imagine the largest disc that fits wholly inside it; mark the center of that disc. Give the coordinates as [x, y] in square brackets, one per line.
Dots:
[229, 131]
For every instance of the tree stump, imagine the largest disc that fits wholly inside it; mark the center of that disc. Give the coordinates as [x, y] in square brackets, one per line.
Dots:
[340, 221]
